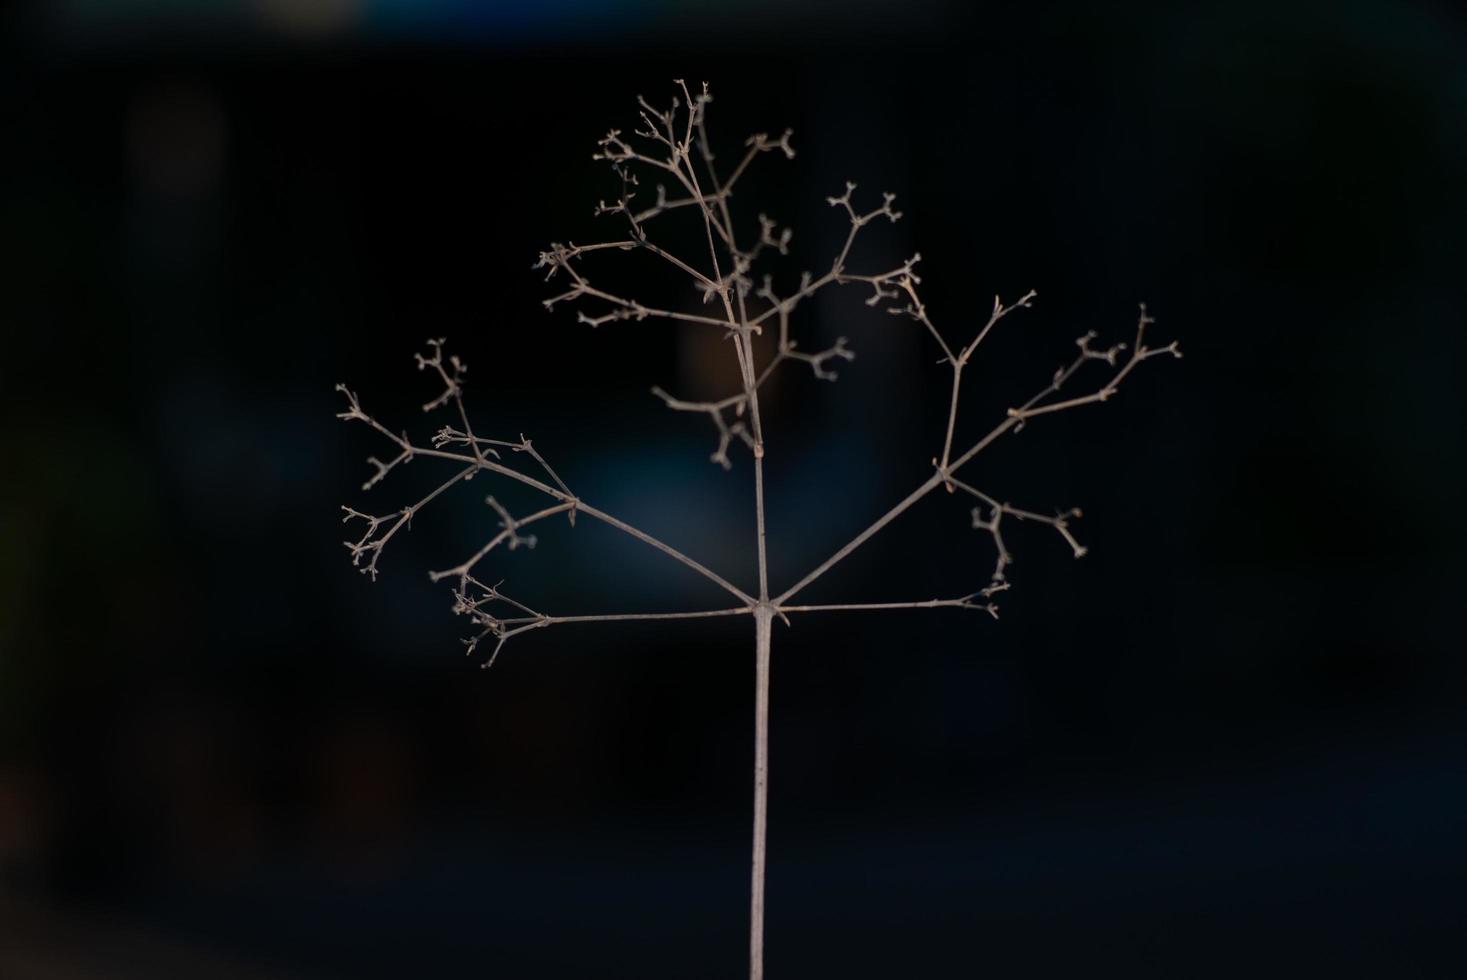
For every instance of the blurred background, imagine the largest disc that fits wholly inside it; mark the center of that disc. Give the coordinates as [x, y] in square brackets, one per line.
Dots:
[1232, 738]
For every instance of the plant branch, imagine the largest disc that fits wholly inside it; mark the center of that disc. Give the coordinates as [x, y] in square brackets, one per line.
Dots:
[628, 617]
[1013, 421]
[369, 548]
[962, 602]
[478, 601]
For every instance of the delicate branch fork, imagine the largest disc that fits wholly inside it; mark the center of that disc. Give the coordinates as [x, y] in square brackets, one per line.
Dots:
[668, 143]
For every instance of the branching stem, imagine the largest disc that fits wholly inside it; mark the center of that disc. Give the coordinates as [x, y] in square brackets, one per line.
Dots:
[667, 142]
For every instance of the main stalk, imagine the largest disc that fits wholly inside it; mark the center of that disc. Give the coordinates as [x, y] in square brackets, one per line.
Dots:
[763, 621]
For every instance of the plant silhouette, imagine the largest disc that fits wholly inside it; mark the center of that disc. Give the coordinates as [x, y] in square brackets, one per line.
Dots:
[672, 146]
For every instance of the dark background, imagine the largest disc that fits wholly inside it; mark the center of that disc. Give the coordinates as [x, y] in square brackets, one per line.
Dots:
[1231, 739]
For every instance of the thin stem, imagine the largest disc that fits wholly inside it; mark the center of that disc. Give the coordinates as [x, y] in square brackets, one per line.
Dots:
[626, 309]
[628, 617]
[763, 621]
[528, 449]
[503, 628]
[918, 311]
[860, 539]
[664, 205]
[966, 602]
[667, 550]
[983, 443]
[509, 533]
[952, 414]
[679, 263]
[759, 521]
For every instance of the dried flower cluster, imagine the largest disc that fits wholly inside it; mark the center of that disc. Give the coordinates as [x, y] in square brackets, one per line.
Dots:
[672, 146]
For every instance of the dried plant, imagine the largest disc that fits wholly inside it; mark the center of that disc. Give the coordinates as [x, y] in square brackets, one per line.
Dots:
[673, 146]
